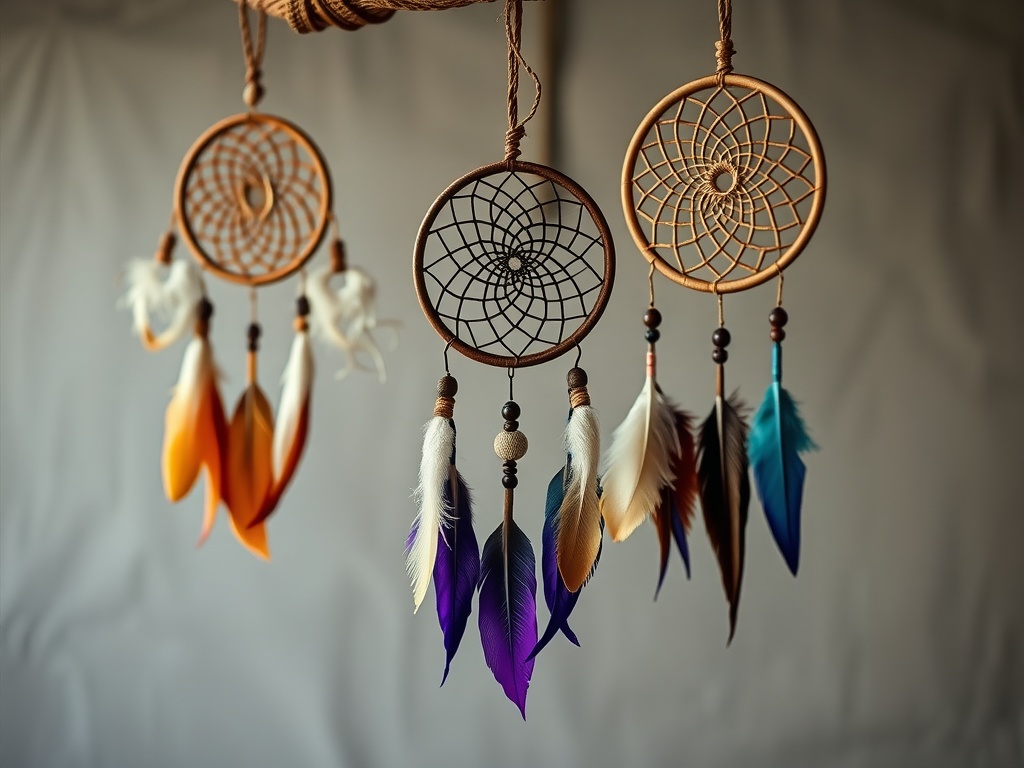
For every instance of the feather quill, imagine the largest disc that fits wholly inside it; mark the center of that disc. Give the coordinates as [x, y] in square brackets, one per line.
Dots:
[508, 611]
[639, 462]
[777, 439]
[249, 471]
[674, 515]
[177, 298]
[292, 427]
[435, 474]
[725, 493]
[578, 519]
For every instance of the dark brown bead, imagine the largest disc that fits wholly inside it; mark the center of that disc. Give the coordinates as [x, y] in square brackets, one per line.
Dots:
[577, 378]
[778, 334]
[778, 317]
[721, 337]
[302, 306]
[254, 332]
[510, 411]
[447, 387]
[719, 355]
[511, 426]
[652, 318]
[205, 309]
[509, 481]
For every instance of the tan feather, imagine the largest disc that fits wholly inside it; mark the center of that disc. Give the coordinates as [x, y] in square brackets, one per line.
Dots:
[249, 472]
[579, 518]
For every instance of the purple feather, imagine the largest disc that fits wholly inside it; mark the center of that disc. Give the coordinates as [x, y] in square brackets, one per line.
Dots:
[508, 610]
[457, 567]
[559, 599]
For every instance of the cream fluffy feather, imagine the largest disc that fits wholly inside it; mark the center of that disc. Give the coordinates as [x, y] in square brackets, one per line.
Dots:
[638, 463]
[175, 297]
[435, 470]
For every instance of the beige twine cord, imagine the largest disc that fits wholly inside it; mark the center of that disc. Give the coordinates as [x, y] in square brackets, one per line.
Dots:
[253, 52]
[723, 48]
[514, 34]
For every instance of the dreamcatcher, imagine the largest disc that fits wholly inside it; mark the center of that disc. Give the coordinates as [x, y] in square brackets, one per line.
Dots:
[513, 266]
[722, 187]
[252, 202]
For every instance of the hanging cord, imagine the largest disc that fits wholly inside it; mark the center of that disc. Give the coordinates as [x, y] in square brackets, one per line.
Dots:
[723, 48]
[253, 52]
[650, 286]
[514, 33]
[778, 293]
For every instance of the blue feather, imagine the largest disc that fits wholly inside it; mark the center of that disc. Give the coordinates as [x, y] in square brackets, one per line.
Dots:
[777, 438]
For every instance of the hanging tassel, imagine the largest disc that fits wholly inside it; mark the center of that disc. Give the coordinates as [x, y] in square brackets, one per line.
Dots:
[348, 317]
[292, 427]
[578, 520]
[559, 599]
[777, 439]
[724, 485]
[639, 463]
[176, 297]
[674, 514]
[249, 478]
[447, 548]
[508, 583]
[195, 431]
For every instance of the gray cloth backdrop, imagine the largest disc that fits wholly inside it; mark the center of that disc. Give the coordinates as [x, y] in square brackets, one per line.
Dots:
[901, 644]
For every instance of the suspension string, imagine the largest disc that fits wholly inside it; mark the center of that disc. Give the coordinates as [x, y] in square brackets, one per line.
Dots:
[778, 293]
[253, 52]
[724, 48]
[511, 377]
[253, 314]
[650, 285]
[513, 33]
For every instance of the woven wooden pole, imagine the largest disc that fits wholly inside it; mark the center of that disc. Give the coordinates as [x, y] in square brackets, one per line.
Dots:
[305, 16]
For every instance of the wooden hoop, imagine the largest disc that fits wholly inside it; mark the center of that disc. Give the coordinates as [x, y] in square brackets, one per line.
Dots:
[552, 181]
[689, 177]
[264, 239]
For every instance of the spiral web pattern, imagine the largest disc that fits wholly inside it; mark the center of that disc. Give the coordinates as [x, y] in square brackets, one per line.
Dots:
[513, 264]
[723, 184]
[254, 198]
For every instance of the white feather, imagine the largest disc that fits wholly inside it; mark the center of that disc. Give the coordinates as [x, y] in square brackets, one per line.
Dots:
[297, 380]
[435, 469]
[639, 462]
[348, 318]
[580, 506]
[174, 298]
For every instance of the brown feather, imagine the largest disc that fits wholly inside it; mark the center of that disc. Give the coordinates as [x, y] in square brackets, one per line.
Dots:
[725, 493]
[249, 476]
[290, 466]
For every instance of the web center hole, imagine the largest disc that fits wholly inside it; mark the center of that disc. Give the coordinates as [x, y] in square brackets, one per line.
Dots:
[723, 181]
[254, 196]
[515, 263]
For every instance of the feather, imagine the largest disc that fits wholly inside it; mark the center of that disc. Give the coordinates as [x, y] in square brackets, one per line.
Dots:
[560, 601]
[508, 611]
[777, 439]
[457, 566]
[435, 473]
[195, 432]
[177, 298]
[348, 317]
[249, 471]
[578, 519]
[639, 462]
[725, 493]
[674, 514]
[292, 426]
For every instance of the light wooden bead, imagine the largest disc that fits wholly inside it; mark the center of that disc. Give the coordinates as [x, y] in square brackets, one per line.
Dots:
[510, 446]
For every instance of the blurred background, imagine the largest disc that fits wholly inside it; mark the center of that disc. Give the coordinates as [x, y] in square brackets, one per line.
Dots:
[900, 645]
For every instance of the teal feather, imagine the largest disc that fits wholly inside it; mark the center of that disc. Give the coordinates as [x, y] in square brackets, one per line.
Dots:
[777, 439]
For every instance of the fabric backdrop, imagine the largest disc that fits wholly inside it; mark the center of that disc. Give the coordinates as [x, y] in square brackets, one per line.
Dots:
[900, 645]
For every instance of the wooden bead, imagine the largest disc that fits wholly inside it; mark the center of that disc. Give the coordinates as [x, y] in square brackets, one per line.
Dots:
[652, 318]
[300, 324]
[721, 337]
[205, 310]
[778, 334]
[652, 336]
[339, 261]
[510, 411]
[577, 378]
[778, 317]
[510, 446]
[719, 355]
[302, 306]
[447, 387]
